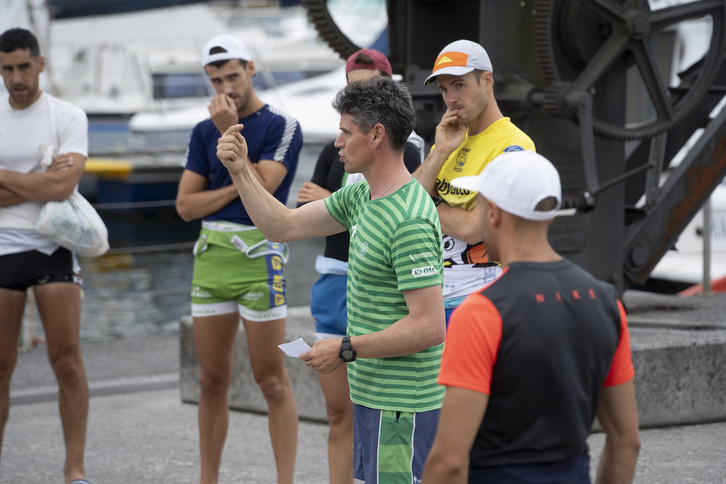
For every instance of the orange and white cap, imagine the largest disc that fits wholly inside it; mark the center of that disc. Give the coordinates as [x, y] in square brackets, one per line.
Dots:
[459, 58]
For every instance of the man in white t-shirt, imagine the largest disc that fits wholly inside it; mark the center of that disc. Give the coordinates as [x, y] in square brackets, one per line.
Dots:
[34, 125]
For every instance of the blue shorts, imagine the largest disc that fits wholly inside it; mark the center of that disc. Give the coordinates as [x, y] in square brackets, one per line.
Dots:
[450, 304]
[327, 305]
[447, 313]
[390, 447]
[571, 471]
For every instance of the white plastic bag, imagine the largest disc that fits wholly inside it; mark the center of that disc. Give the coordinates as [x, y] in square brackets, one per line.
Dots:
[75, 225]
[72, 223]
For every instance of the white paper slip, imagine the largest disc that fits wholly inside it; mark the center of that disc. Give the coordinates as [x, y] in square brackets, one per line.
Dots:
[295, 348]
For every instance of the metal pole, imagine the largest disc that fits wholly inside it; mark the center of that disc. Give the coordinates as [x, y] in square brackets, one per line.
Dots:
[707, 247]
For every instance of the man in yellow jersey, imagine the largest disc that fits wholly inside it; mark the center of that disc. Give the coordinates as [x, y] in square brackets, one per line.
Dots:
[471, 133]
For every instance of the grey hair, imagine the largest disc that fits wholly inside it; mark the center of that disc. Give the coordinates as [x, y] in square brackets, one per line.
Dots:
[379, 100]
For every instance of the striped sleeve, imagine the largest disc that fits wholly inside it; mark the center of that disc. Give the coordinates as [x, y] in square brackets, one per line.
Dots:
[285, 136]
[416, 255]
[339, 205]
[472, 344]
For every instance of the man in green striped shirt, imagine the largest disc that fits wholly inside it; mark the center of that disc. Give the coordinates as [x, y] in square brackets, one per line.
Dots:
[395, 307]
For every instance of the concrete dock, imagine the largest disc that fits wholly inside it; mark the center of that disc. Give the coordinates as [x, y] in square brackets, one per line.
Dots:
[140, 431]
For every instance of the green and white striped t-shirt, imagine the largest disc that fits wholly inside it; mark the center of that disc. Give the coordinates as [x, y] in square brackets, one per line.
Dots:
[395, 245]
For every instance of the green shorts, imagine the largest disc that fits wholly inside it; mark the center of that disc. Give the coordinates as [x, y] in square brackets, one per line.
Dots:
[237, 270]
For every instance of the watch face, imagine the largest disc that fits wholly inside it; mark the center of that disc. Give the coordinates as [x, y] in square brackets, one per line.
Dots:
[347, 355]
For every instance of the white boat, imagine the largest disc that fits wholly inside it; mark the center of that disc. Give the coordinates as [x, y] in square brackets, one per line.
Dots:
[150, 60]
[309, 101]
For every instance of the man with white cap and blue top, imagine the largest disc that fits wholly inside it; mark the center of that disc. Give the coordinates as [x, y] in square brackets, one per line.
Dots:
[535, 356]
[472, 132]
[237, 272]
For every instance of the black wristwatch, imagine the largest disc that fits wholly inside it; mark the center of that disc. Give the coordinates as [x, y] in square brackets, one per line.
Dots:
[346, 353]
[437, 200]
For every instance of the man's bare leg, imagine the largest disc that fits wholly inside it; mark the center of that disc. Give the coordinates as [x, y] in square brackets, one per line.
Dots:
[268, 366]
[214, 338]
[59, 305]
[12, 304]
[340, 415]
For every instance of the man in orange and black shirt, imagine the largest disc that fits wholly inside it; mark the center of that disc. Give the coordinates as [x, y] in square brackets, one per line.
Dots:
[532, 358]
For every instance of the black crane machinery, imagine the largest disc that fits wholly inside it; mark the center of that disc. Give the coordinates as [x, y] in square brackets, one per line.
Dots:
[590, 82]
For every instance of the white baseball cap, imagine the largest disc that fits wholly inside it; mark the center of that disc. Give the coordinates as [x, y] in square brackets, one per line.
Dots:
[234, 48]
[459, 58]
[517, 181]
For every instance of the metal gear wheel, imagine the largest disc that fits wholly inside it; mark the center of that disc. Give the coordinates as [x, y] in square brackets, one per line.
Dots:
[578, 41]
[320, 17]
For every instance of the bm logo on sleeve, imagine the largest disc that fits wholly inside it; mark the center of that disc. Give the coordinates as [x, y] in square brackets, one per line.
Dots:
[424, 271]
